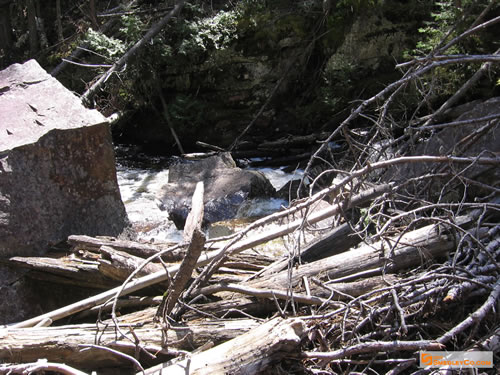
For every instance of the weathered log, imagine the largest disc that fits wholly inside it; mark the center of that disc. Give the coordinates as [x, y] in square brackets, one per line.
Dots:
[66, 270]
[342, 291]
[263, 293]
[160, 276]
[250, 353]
[196, 238]
[63, 344]
[334, 242]
[410, 249]
[134, 248]
[118, 265]
[40, 366]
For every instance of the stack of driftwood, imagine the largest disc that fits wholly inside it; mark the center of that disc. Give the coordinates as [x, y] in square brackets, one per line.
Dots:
[338, 303]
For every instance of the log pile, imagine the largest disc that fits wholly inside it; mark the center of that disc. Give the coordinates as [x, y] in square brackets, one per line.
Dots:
[338, 307]
[402, 260]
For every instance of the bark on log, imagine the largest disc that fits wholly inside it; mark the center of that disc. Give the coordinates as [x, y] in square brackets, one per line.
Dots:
[134, 248]
[334, 242]
[62, 344]
[250, 353]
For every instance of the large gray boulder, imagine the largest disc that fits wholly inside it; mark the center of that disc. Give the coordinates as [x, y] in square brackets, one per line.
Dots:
[57, 177]
[57, 166]
[226, 188]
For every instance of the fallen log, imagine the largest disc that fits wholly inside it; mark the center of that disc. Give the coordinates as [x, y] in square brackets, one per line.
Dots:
[63, 344]
[204, 259]
[133, 248]
[66, 270]
[250, 353]
[118, 265]
[334, 242]
[40, 366]
[409, 250]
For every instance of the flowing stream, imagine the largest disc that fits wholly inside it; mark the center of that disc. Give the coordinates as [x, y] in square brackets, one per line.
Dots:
[140, 186]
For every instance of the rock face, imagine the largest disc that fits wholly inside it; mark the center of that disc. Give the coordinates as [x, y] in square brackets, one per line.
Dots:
[57, 177]
[467, 139]
[57, 166]
[226, 188]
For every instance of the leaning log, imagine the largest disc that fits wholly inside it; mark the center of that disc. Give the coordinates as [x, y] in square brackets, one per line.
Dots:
[64, 343]
[250, 353]
[196, 238]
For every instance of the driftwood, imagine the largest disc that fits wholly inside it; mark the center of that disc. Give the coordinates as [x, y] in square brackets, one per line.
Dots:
[194, 235]
[40, 366]
[64, 343]
[409, 250]
[67, 270]
[141, 250]
[118, 265]
[336, 241]
[204, 259]
[250, 353]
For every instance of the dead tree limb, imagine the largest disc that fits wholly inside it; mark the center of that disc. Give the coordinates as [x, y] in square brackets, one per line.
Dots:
[152, 32]
[475, 317]
[263, 293]
[194, 234]
[376, 346]
[410, 249]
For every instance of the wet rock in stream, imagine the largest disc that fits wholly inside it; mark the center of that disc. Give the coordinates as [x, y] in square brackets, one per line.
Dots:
[227, 187]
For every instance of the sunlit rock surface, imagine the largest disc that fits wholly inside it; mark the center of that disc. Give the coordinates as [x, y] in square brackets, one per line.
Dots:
[57, 172]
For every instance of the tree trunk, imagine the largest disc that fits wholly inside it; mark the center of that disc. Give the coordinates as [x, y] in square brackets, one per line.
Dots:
[60, 36]
[155, 29]
[64, 343]
[250, 353]
[33, 34]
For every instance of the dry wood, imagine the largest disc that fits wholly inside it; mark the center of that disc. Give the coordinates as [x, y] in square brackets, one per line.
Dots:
[134, 248]
[65, 270]
[250, 353]
[204, 259]
[334, 242]
[196, 238]
[376, 346]
[64, 343]
[118, 265]
[343, 291]
[263, 293]
[408, 250]
[39, 367]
